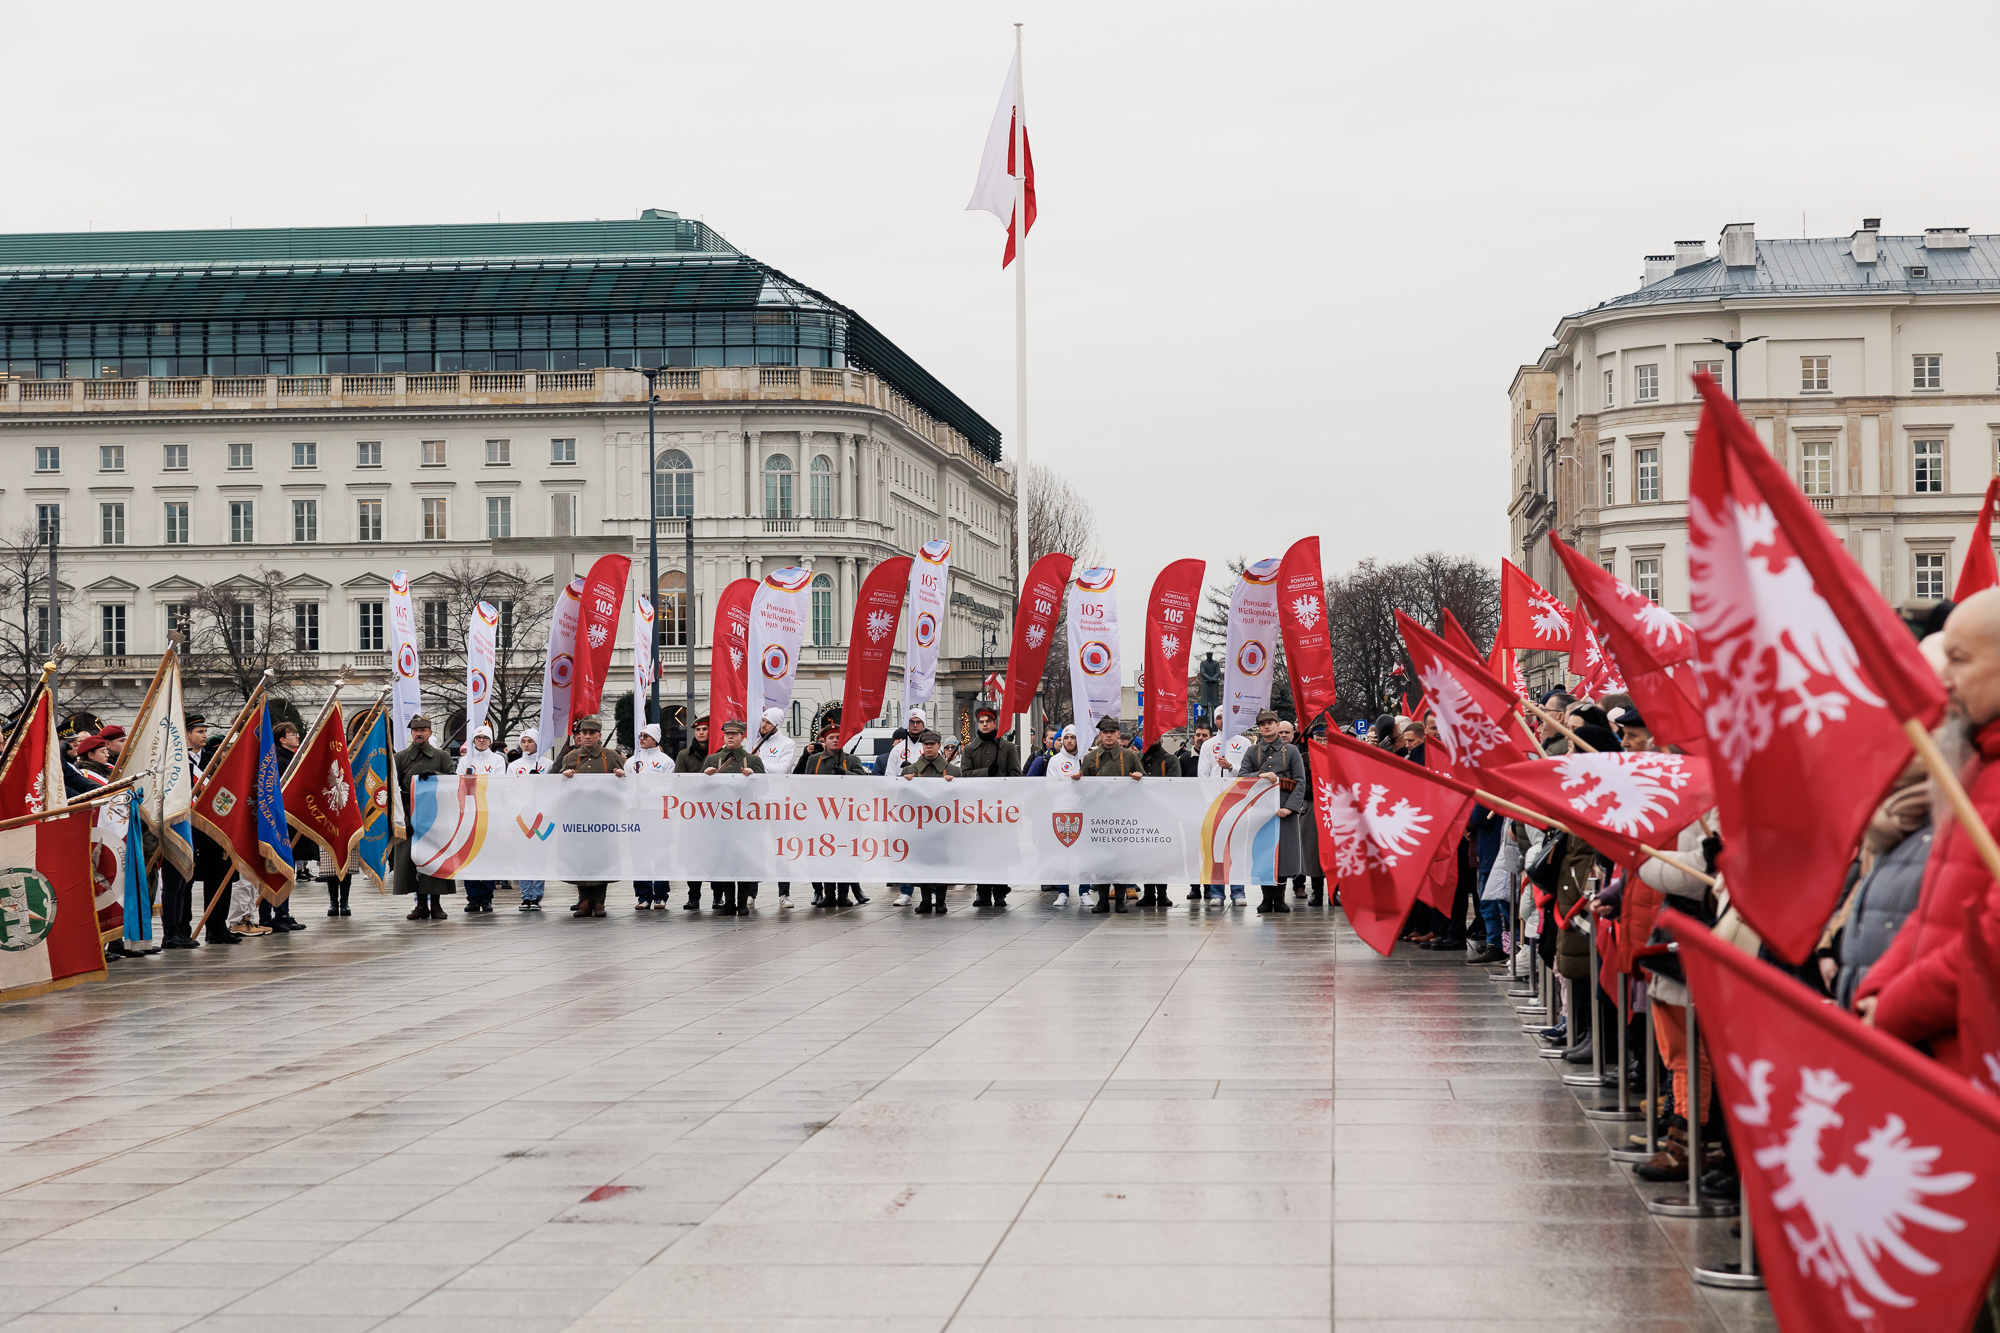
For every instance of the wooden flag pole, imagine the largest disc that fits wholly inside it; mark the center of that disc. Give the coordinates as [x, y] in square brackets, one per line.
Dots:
[1536, 816]
[14, 737]
[1954, 792]
[80, 805]
[1560, 725]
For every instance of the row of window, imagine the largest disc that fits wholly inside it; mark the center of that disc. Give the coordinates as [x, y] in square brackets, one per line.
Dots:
[1815, 471]
[1926, 372]
[1927, 575]
[305, 515]
[305, 455]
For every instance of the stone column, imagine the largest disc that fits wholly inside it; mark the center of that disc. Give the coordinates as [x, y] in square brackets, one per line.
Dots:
[843, 614]
[610, 476]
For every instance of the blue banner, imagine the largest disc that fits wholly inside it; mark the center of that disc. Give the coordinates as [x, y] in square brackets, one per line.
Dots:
[138, 900]
[370, 758]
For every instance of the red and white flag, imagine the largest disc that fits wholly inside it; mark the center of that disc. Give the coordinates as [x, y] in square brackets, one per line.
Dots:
[871, 642]
[729, 677]
[1454, 633]
[1170, 615]
[48, 920]
[1303, 623]
[1651, 649]
[1979, 1004]
[1385, 820]
[1978, 572]
[1475, 713]
[1806, 673]
[1872, 1174]
[1621, 803]
[994, 687]
[1530, 615]
[1588, 660]
[993, 192]
[1035, 629]
[597, 632]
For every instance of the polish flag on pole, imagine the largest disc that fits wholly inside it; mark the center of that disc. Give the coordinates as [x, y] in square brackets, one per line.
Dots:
[994, 191]
[1530, 615]
[1979, 572]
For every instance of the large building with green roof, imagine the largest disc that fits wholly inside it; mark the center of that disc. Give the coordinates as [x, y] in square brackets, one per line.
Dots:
[240, 434]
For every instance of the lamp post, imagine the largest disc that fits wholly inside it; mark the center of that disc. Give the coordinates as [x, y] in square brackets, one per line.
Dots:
[1736, 345]
[650, 708]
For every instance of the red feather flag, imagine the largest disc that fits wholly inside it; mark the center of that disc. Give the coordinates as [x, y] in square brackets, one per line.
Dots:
[1653, 650]
[1385, 820]
[871, 643]
[729, 674]
[1302, 622]
[1170, 613]
[1475, 713]
[1621, 803]
[1453, 633]
[597, 633]
[1807, 673]
[1530, 615]
[1979, 1004]
[1034, 630]
[1978, 571]
[1871, 1173]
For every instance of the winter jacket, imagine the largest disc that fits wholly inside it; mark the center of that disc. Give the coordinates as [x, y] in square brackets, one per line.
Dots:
[1498, 882]
[990, 757]
[1915, 981]
[1680, 892]
[1881, 905]
[1573, 946]
[1485, 827]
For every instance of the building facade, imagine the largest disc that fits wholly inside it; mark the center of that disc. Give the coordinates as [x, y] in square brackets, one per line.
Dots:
[1869, 365]
[318, 409]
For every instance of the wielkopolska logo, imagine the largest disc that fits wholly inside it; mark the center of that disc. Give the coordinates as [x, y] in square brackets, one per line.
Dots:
[1096, 579]
[777, 662]
[1068, 826]
[935, 552]
[926, 625]
[539, 830]
[406, 661]
[561, 667]
[789, 579]
[1094, 658]
[1252, 658]
[27, 909]
[475, 684]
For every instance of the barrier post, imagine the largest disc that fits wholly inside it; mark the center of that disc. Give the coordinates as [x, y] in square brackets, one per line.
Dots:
[1693, 1203]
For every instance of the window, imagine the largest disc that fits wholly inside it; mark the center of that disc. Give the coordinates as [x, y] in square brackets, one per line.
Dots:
[1930, 575]
[1927, 467]
[432, 454]
[1610, 390]
[437, 510]
[239, 625]
[1646, 476]
[1646, 577]
[1816, 467]
[371, 640]
[242, 521]
[822, 610]
[174, 458]
[1713, 369]
[1610, 495]
[777, 486]
[111, 523]
[1812, 374]
[822, 487]
[562, 514]
[241, 456]
[437, 627]
[499, 516]
[1648, 385]
[503, 635]
[305, 520]
[177, 523]
[305, 455]
[673, 485]
[368, 453]
[562, 452]
[48, 523]
[42, 645]
[1927, 372]
[111, 628]
[368, 521]
[305, 627]
[672, 611]
[499, 453]
[48, 458]
[110, 458]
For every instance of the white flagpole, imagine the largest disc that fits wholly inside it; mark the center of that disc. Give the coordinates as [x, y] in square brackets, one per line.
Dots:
[1020, 154]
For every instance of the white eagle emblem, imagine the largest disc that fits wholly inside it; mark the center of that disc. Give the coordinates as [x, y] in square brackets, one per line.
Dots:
[1305, 608]
[1763, 634]
[1365, 836]
[1549, 617]
[597, 634]
[1170, 645]
[1463, 725]
[336, 790]
[736, 657]
[1855, 1218]
[1036, 636]
[1662, 625]
[879, 625]
[1623, 792]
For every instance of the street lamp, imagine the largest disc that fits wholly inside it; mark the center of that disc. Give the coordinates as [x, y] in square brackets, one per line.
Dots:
[1736, 345]
[650, 709]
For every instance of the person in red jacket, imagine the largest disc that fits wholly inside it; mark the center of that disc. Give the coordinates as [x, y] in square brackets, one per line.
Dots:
[1912, 991]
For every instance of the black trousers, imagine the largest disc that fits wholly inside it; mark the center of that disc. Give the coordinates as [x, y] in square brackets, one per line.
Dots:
[217, 927]
[176, 902]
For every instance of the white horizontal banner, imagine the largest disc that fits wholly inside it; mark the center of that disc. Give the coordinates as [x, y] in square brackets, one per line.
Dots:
[875, 830]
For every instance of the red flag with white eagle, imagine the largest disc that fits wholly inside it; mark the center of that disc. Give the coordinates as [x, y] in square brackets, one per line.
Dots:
[320, 792]
[1979, 1004]
[597, 633]
[994, 191]
[1530, 615]
[729, 677]
[49, 935]
[1806, 673]
[1648, 645]
[1384, 819]
[1588, 660]
[1170, 613]
[1620, 802]
[1872, 1174]
[1035, 629]
[1475, 713]
[1454, 633]
[1302, 622]
[1979, 572]
[878, 608]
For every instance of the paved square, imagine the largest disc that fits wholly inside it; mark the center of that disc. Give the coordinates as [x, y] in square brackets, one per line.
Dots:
[1012, 1120]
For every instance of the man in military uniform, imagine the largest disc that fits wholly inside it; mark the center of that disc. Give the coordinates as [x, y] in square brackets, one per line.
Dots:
[693, 760]
[590, 755]
[1157, 761]
[418, 760]
[991, 755]
[1110, 758]
[825, 759]
[1276, 760]
[731, 758]
[930, 763]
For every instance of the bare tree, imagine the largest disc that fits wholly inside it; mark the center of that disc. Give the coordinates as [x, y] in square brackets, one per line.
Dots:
[1059, 519]
[24, 600]
[237, 630]
[524, 603]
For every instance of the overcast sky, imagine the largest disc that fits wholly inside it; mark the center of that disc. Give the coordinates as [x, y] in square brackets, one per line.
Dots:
[1288, 256]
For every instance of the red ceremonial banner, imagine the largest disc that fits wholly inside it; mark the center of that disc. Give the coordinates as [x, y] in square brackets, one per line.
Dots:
[1302, 622]
[1530, 615]
[226, 810]
[1385, 820]
[871, 642]
[1872, 1174]
[597, 633]
[1806, 673]
[1034, 631]
[1978, 571]
[729, 674]
[1653, 651]
[1589, 661]
[31, 782]
[1170, 613]
[1619, 802]
[51, 911]
[1475, 713]
[320, 797]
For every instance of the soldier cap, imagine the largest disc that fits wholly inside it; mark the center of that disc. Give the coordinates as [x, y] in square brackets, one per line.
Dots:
[1267, 716]
[1107, 724]
[590, 724]
[733, 726]
[931, 738]
[986, 710]
[420, 722]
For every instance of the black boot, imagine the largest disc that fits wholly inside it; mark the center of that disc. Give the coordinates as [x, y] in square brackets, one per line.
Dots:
[982, 895]
[860, 898]
[1278, 903]
[1103, 907]
[333, 900]
[1319, 893]
[694, 897]
[1117, 897]
[923, 907]
[1000, 892]
[937, 900]
[1264, 904]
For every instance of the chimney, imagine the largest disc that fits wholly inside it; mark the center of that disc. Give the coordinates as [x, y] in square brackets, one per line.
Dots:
[1658, 267]
[1947, 238]
[1862, 244]
[1689, 253]
[1739, 245]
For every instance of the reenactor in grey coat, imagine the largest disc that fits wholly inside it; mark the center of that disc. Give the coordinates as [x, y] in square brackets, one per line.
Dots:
[1279, 761]
[991, 755]
[420, 759]
[589, 755]
[733, 758]
[930, 764]
[827, 759]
